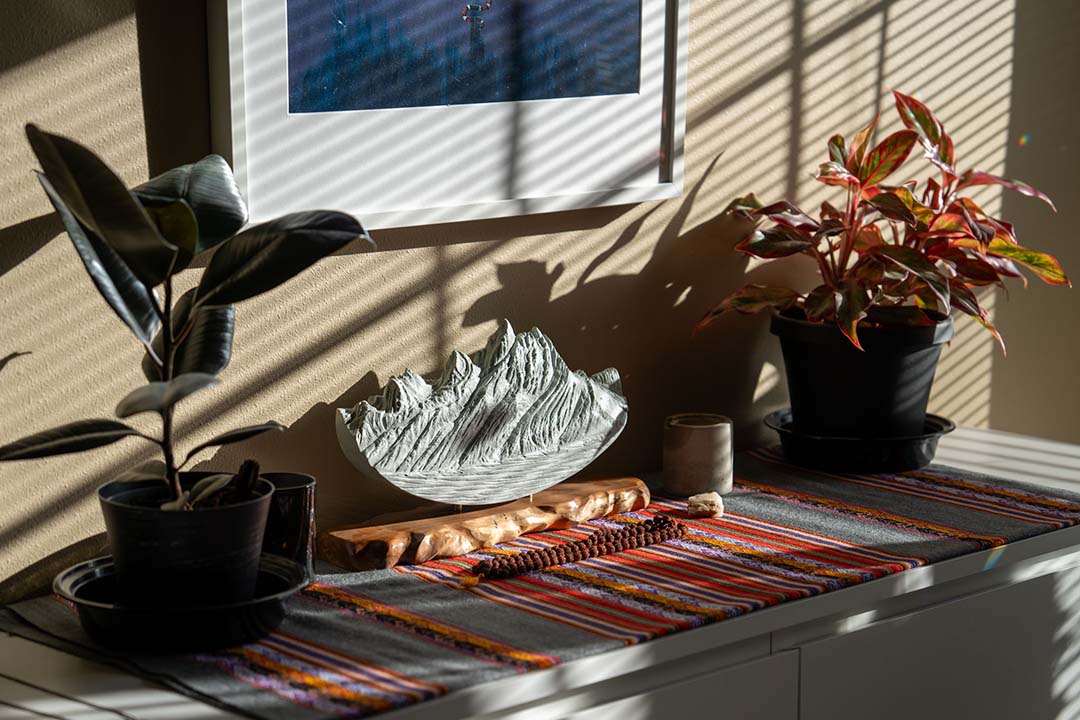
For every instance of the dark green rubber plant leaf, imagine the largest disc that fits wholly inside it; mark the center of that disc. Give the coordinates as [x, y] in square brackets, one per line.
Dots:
[265, 256]
[149, 470]
[160, 396]
[210, 189]
[98, 198]
[207, 348]
[208, 487]
[73, 437]
[235, 436]
[176, 222]
[129, 298]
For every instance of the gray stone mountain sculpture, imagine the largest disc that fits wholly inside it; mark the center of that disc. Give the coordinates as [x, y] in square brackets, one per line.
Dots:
[506, 423]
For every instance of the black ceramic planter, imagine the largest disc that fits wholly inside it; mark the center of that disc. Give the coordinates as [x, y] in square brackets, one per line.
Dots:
[205, 556]
[290, 524]
[163, 628]
[859, 455]
[839, 391]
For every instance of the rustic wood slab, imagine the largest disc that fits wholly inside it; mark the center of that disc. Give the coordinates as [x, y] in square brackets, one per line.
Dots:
[419, 540]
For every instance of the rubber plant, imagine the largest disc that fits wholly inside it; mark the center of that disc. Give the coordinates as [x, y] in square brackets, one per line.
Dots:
[133, 243]
[890, 254]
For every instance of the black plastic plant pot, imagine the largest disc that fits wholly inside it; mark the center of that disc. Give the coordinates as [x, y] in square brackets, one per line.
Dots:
[837, 390]
[183, 558]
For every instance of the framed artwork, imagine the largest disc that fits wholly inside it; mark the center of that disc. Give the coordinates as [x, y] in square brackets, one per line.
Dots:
[408, 112]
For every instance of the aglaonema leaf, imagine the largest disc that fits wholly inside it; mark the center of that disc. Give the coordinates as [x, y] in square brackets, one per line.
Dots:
[751, 299]
[972, 178]
[898, 315]
[963, 299]
[160, 396]
[1005, 267]
[973, 270]
[785, 213]
[932, 136]
[830, 211]
[946, 157]
[73, 437]
[837, 150]
[207, 348]
[820, 303]
[265, 256]
[129, 298]
[916, 263]
[892, 207]
[949, 225]
[859, 144]
[1045, 266]
[832, 173]
[210, 189]
[98, 198]
[743, 206]
[982, 232]
[775, 242]
[868, 238]
[869, 271]
[887, 156]
[851, 308]
[923, 215]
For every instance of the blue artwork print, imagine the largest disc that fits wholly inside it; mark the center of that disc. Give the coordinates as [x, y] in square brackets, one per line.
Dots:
[370, 54]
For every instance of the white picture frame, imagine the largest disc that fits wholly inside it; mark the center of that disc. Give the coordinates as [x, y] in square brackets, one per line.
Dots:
[422, 165]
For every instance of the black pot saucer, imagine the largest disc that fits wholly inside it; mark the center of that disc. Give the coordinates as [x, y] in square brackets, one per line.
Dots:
[868, 455]
[91, 587]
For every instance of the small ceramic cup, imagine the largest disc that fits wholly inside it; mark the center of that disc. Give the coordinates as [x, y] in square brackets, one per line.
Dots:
[697, 454]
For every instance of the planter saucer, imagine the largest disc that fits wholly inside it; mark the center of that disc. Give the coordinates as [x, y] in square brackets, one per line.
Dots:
[869, 455]
[91, 587]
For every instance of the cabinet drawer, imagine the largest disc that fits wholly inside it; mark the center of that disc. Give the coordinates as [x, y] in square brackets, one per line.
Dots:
[765, 689]
[998, 654]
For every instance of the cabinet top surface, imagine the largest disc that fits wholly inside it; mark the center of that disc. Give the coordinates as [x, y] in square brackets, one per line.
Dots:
[1051, 465]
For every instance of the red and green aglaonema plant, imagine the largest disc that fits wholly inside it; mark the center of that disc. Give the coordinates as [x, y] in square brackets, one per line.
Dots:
[892, 254]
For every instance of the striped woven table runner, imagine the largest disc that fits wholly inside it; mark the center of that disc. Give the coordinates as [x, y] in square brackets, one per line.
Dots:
[358, 644]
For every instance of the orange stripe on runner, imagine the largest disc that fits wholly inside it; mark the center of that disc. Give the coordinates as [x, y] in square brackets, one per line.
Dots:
[311, 681]
[846, 559]
[392, 675]
[681, 568]
[877, 514]
[588, 604]
[492, 646]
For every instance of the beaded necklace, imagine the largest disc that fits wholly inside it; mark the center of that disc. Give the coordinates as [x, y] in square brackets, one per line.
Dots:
[602, 542]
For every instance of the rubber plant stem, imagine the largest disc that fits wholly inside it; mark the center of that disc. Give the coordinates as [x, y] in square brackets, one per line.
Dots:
[166, 375]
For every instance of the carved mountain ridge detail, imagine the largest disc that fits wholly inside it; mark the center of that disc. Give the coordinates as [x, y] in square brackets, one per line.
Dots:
[507, 422]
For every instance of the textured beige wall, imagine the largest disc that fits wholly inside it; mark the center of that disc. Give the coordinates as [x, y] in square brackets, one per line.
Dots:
[769, 82]
[1037, 387]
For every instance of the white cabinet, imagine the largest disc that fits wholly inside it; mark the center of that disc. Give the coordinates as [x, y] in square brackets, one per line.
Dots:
[1009, 653]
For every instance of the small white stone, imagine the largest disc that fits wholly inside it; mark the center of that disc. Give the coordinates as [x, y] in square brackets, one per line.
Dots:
[705, 505]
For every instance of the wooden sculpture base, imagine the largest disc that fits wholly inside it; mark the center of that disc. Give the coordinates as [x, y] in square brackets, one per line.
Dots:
[416, 541]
